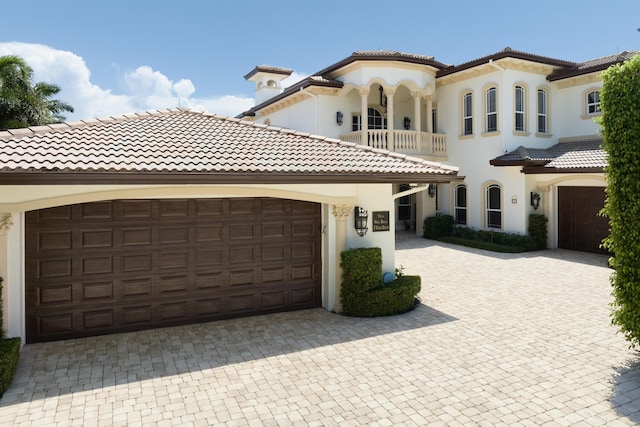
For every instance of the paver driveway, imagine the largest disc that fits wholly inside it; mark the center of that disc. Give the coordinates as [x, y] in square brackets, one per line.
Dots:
[498, 339]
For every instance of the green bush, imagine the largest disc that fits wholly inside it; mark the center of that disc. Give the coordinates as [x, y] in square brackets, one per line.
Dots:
[3, 333]
[620, 124]
[538, 230]
[9, 354]
[497, 239]
[398, 296]
[363, 293]
[437, 226]
[478, 244]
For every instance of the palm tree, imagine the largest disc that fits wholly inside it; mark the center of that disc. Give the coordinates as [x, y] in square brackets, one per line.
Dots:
[24, 103]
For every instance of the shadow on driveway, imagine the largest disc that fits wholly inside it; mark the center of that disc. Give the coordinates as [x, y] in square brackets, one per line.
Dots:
[57, 368]
[625, 398]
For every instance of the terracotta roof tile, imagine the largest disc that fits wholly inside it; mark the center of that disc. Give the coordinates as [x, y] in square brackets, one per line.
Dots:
[592, 65]
[564, 155]
[194, 142]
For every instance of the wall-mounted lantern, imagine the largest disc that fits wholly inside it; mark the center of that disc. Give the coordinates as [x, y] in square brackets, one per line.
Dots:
[432, 190]
[383, 99]
[360, 220]
[535, 200]
[339, 118]
[407, 123]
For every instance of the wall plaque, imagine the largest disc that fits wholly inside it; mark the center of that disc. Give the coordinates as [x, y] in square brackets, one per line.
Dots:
[380, 221]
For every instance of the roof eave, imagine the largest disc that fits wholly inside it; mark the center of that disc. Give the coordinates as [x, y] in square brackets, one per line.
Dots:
[182, 178]
[547, 170]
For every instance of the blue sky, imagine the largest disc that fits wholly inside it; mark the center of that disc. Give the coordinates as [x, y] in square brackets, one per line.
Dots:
[115, 57]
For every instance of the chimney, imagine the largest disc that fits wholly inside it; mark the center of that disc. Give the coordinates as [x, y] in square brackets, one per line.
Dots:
[268, 81]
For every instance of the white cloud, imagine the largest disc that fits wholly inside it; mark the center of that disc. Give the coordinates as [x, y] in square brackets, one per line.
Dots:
[146, 89]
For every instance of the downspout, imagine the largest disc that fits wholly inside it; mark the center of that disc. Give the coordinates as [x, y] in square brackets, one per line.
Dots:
[306, 92]
[503, 94]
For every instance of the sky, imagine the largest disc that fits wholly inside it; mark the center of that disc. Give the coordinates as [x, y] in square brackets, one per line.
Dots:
[115, 57]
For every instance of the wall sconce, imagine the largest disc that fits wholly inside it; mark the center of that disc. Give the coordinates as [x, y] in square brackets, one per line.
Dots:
[339, 118]
[383, 99]
[407, 123]
[535, 200]
[360, 220]
[433, 188]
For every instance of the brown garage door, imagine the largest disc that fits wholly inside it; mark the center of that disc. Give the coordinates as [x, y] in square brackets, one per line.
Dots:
[579, 225]
[126, 265]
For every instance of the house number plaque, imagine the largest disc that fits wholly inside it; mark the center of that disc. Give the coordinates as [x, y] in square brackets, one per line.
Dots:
[380, 221]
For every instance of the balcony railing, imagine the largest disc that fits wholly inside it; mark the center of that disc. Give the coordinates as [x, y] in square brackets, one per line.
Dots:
[402, 141]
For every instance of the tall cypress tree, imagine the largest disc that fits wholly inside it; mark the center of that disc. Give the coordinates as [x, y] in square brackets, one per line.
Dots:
[620, 123]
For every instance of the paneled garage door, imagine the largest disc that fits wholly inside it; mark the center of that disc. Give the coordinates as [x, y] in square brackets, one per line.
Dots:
[125, 265]
[579, 225]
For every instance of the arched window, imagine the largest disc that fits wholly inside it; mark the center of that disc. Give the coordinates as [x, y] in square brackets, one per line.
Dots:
[460, 204]
[494, 206]
[467, 114]
[404, 204]
[375, 120]
[491, 109]
[593, 102]
[520, 109]
[543, 123]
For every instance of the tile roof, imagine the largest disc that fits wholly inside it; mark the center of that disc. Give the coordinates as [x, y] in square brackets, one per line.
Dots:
[569, 155]
[507, 52]
[188, 142]
[592, 65]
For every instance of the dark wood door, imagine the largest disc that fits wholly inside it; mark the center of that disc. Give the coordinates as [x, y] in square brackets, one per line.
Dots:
[579, 225]
[124, 265]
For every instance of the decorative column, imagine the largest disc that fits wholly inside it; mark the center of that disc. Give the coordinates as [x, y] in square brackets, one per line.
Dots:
[341, 212]
[6, 221]
[364, 114]
[416, 112]
[389, 92]
[429, 99]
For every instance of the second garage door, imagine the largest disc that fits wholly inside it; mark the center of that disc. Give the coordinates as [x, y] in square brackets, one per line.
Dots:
[579, 225]
[124, 265]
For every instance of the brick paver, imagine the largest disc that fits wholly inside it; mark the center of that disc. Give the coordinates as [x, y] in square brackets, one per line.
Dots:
[499, 339]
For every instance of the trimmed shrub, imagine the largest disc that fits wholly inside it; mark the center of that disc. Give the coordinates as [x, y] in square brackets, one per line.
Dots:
[3, 333]
[9, 354]
[517, 242]
[538, 230]
[398, 296]
[361, 270]
[436, 226]
[363, 292]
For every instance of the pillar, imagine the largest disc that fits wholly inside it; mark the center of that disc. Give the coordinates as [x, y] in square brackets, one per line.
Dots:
[389, 92]
[417, 116]
[6, 221]
[341, 212]
[364, 114]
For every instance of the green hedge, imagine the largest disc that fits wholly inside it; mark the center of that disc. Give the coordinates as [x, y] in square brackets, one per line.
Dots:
[437, 226]
[441, 227]
[363, 292]
[9, 354]
[538, 230]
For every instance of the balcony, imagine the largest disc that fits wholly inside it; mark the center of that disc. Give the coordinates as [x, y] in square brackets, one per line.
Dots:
[408, 142]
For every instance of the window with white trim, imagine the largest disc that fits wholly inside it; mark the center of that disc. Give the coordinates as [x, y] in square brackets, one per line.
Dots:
[593, 102]
[543, 124]
[460, 204]
[519, 109]
[375, 120]
[494, 206]
[491, 109]
[467, 114]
